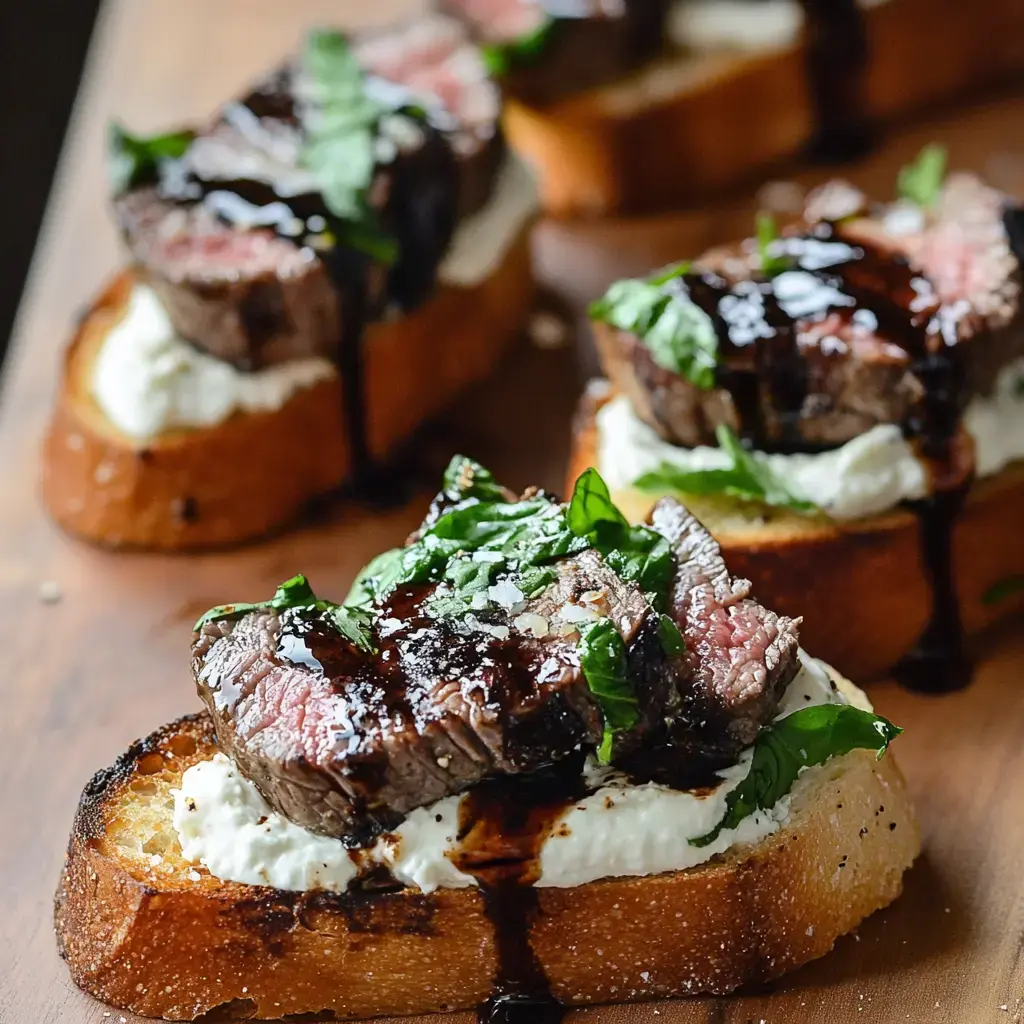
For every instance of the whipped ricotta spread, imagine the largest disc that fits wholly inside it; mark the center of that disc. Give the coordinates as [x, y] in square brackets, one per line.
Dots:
[482, 239]
[620, 829]
[147, 380]
[739, 24]
[868, 475]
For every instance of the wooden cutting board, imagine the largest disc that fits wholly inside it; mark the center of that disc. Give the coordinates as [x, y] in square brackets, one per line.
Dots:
[107, 661]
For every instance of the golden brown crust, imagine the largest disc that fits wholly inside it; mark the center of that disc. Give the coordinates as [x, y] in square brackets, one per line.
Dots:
[223, 485]
[860, 586]
[682, 128]
[153, 935]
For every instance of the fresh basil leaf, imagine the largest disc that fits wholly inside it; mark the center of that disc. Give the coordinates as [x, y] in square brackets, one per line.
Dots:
[134, 159]
[921, 181]
[602, 653]
[1003, 590]
[748, 478]
[635, 553]
[465, 478]
[341, 122]
[801, 740]
[353, 623]
[767, 236]
[681, 337]
[672, 642]
[591, 510]
[504, 57]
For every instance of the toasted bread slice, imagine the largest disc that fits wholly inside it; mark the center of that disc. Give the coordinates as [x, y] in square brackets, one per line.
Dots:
[686, 126]
[256, 472]
[148, 932]
[859, 585]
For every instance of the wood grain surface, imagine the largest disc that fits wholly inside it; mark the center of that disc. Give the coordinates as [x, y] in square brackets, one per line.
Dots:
[108, 661]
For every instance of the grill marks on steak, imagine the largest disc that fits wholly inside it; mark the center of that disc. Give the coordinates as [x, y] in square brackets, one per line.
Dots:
[346, 743]
[840, 341]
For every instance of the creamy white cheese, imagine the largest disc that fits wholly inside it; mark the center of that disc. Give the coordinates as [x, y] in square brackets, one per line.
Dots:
[870, 474]
[997, 423]
[738, 24]
[224, 824]
[735, 24]
[867, 475]
[147, 380]
[482, 239]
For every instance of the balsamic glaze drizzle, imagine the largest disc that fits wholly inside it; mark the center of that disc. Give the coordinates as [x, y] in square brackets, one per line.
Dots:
[502, 826]
[837, 54]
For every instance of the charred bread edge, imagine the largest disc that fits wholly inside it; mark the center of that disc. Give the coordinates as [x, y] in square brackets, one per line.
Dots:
[593, 152]
[188, 490]
[179, 946]
[860, 586]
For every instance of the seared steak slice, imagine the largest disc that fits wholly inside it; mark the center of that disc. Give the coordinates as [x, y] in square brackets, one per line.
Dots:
[838, 342]
[739, 656]
[234, 235]
[249, 297]
[738, 659]
[433, 57]
[346, 743]
[590, 42]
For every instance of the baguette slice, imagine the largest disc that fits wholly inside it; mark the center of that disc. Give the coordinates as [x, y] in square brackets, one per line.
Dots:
[860, 585]
[680, 128]
[147, 932]
[256, 472]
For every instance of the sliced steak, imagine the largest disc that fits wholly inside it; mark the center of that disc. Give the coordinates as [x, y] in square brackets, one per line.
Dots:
[842, 339]
[234, 235]
[346, 743]
[249, 297]
[738, 659]
[588, 43]
[433, 57]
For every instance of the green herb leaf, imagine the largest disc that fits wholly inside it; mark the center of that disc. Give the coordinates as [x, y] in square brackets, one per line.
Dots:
[134, 159]
[592, 512]
[767, 235]
[801, 740]
[501, 58]
[681, 337]
[637, 554]
[465, 478]
[352, 623]
[340, 124]
[921, 181]
[748, 478]
[672, 642]
[1003, 590]
[602, 654]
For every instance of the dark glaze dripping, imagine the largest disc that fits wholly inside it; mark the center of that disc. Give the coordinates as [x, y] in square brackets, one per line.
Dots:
[939, 662]
[837, 60]
[502, 826]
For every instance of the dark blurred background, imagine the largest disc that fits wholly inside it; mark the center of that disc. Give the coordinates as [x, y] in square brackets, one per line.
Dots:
[43, 44]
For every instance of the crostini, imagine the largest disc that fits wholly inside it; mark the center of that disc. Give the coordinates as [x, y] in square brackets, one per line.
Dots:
[644, 104]
[314, 274]
[538, 758]
[843, 405]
